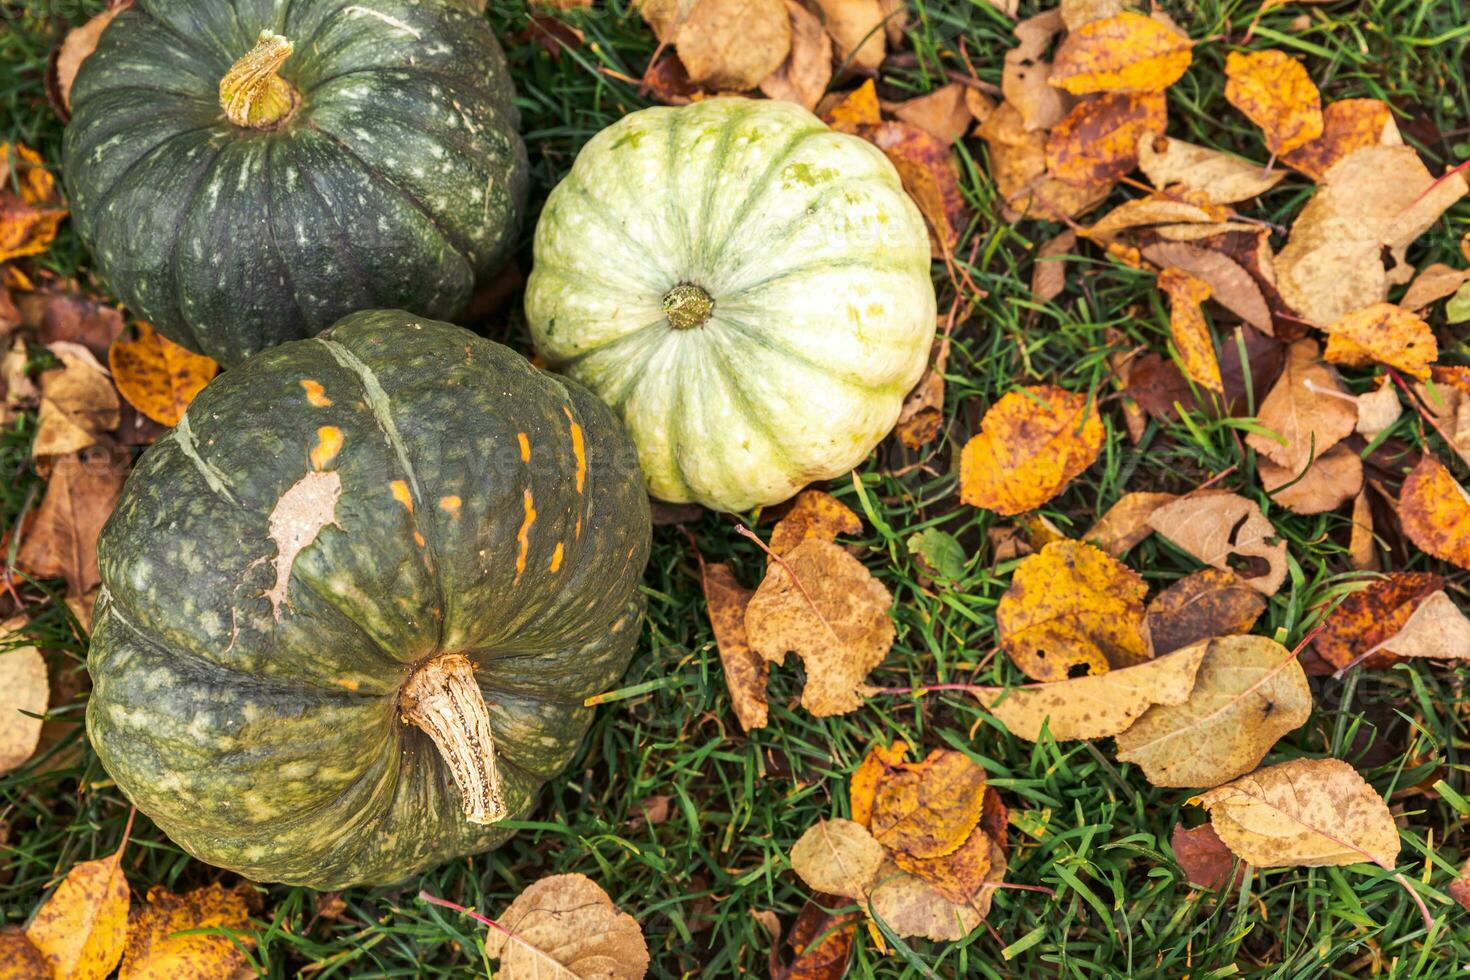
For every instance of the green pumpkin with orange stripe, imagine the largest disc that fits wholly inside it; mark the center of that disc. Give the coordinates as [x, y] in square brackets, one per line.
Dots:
[353, 603]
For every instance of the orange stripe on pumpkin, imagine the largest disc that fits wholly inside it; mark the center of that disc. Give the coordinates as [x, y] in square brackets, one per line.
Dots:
[401, 494]
[523, 536]
[328, 445]
[556, 557]
[579, 450]
[450, 505]
[315, 393]
[525, 447]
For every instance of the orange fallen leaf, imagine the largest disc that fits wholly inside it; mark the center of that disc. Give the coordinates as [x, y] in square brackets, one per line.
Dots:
[1365, 618]
[154, 952]
[911, 906]
[745, 673]
[82, 927]
[157, 376]
[1018, 168]
[28, 218]
[928, 809]
[1384, 333]
[814, 514]
[1190, 331]
[862, 788]
[1348, 125]
[1274, 91]
[821, 942]
[1031, 444]
[1098, 141]
[1072, 609]
[958, 875]
[943, 113]
[854, 110]
[1435, 512]
[1127, 52]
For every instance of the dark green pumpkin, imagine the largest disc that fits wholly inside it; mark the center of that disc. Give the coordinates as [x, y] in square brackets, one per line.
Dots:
[328, 520]
[392, 176]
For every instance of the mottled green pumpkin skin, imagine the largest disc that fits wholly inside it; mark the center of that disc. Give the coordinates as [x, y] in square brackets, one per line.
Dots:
[484, 507]
[399, 183]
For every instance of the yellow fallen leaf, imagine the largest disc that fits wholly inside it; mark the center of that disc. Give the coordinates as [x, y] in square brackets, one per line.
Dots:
[28, 218]
[1435, 512]
[1071, 608]
[839, 857]
[19, 957]
[814, 514]
[1384, 333]
[862, 789]
[81, 928]
[157, 376]
[1018, 168]
[1200, 173]
[927, 809]
[1031, 444]
[1275, 92]
[1190, 331]
[154, 952]
[745, 673]
[566, 926]
[1098, 140]
[1127, 52]
[24, 691]
[856, 109]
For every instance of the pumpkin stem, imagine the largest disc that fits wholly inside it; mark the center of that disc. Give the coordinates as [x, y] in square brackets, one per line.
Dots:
[251, 93]
[687, 306]
[443, 698]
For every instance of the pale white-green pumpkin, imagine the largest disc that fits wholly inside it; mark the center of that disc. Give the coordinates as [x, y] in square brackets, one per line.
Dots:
[749, 289]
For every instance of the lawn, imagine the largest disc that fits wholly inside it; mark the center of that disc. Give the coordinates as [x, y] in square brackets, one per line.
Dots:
[1093, 833]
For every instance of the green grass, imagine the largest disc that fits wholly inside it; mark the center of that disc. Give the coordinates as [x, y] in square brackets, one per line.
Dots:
[1091, 830]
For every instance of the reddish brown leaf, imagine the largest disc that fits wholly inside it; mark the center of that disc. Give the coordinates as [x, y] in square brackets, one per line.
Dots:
[1098, 141]
[1368, 616]
[1206, 861]
[62, 541]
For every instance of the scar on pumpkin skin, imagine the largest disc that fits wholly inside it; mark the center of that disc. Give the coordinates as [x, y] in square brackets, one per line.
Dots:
[315, 394]
[556, 557]
[295, 521]
[523, 536]
[328, 445]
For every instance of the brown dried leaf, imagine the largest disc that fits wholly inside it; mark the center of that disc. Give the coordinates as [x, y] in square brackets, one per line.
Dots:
[1306, 812]
[725, 45]
[1384, 333]
[1361, 540]
[62, 541]
[1348, 125]
[1435, 512]
[1332, 480]
[24, 691]
[1378, 409]
[1147, 211]
[804, 75]
[837, 856]
[911, 906]
[1447, 400]
[745, 673]
[78, 403]
[81, 928]
[942, 113]
[1031, 444]
[1192, 337]
[1433, 283]
[1018, 167]
[155, 953]
[1024, 79]
[1126, 52]
[1126, 522]
[1224, 529]
[1274, 91]
[857, 32]
[1249, 692]
[1230, 284]
[836, 620]
[927, 809]
[1098, 141]
[1049, 271]
[1201, 173]
[1207, 604]
[1072, 608]
[77, 318]
[1459, 889]
[1309, 411]
[1370, 616]
[566, 926]
[78, 44]
[922, 414]
[1206, 861]
[820, 940]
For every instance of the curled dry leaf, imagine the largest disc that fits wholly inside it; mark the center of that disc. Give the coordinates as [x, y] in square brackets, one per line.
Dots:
[1384, 333]
[857, 32]
[1209, 603]
[1435, 512]
[1031, 444]
[1433, 283]
[1227, 531]
[922, 414]
[1204, 858]
[153, 952]
[1332, 480]
[157, 376]
[28, 218]
[1200, 173]
[1447, 400]
[1018, 167]
[1249, 692]
[566, 925]
[1126, 522]
[1152, 211]
[24, 691]
[1098, 141]
[1187, 325]
[942, 113]
[78, 403]
[62, 541]
[725, 45]
[1274, 91]
[1024, 78]
[862, 789]
[1126, 52]
[82, 927]
[1095, 706]
[1308, 411]
[1378, 409]
[928, 809]
[820, 940]
[814, 514]
[745, 673]
[837, 856]
[1348, 125]
[1307, 812]
[930, 175]
[835, 619]
[804, 75]
[1049, 271]
[1072, 609]
[75, 48]
[1230, 284]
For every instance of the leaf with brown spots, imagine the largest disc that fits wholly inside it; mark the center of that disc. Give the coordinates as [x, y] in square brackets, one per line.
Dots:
[833, 614]
[28, 218]
[911, 906]
[154, 952]
[157, 376]
[814, 514]
[1018, 168]
[1199, 173]
[930, 175]
[745, 673]
[1095, 706]
[857, 33]
[1370, 616]
[566, 926]
[821, 941]
[62, 541]
[837, 856]
[1187, 325]
[1126, 522]
[1127, 52]
[1248, 693]
[1435, 512]
[854, 110]
[19, 957]
[1332, 480]
[1071, 608]
[1227, 531]
[725, 45]
[1031, 444]
[862, 789]
[927, 809]
[1274, 91]
[804, 75]
[1307, 812]
[1231, 285]
[959, 875]
[1348, 125]
[24, 692]
[78, 403]
[1024, 78]
[1206, 861]
[1207, 604]
[1437, 629]
[1384, 333]
[82, 927]
[942, 113]
[1098, 141]
[1307, 413]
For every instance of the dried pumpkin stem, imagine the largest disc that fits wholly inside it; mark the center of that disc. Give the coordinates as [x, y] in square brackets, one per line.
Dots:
[687, 306]
[443, 698]
[252, 94]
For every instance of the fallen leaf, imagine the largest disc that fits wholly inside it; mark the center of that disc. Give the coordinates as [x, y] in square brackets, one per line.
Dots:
[78, 403]
[1308, 411]
[1152, 211]
[942, 113]
[565, 925]
[1205, 860]
[1227, 531]
[928, 809]
[24, 691]
[1159, 387]
[958, 875]
[19, 957]
[857, 33]
[1306, 812]
[911, 906]
[1049, 271]
[1436, 630]
[1459, 889]
[1273, 90]
[1348, 125]
[1095, 706]
[1024, 77]
[814, 514]
[1361, 548]
[895, 20]
[1018, 168]
[82, 927]
[804, 75]
[1366, 618]
[1126, 522]
[1098, 141]
[1457, 310]
[1433, 283]
[836, 620]
[1378, 410]
[1206, 604]
[1031, 444]
[1384, 333]
[725, 45]
[1126, 52]
[668, 82]
[1071, 609]
[1200, 173]
[930, 175]
[652, 811]
[939, 553]
[855, 110]
[157, 376]
[77, 318]
[1249, 692]
[745, 673]
[862, 789]
[1375, 200]
[1332, 480]
[1230, 284]
[78, 44]
[1447, 400]
[1435, 512]
[62, 540]
[837, 856]
[155, 953]
[1076, 13]
[30, 215]
[922, 414]
[821, 942]
[1192, 337]
[979, 104]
